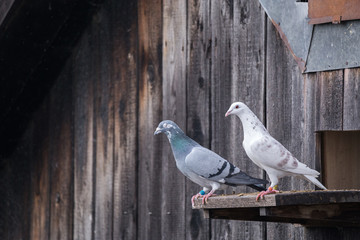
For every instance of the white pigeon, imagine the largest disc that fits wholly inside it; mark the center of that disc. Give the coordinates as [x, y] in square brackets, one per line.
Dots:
[267, 153]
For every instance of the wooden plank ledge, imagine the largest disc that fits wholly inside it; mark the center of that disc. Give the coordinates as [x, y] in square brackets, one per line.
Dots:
[310, 208]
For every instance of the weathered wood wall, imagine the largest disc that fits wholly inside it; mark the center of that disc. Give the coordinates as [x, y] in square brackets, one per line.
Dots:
[89, 167]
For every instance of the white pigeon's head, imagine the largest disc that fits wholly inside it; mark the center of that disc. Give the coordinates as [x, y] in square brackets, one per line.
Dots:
[168, 127]
[236, 108]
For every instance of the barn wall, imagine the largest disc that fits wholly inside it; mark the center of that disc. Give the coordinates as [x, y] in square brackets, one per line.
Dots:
[89, 167]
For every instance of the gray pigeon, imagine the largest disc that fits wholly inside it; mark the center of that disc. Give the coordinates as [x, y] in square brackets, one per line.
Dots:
[202, 166]
[267, 153]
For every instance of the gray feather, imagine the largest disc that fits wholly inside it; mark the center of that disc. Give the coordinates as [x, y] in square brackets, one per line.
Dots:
[202, 165]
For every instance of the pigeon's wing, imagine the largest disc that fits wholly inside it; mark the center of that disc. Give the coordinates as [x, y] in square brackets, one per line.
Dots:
[209, 165]
[270, 153]
[213, 167]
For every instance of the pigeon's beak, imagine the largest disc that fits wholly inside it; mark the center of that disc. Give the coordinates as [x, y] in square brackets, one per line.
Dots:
[157, 131]
[228, 113]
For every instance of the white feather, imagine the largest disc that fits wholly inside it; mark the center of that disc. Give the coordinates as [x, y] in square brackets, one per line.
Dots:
[266, 152]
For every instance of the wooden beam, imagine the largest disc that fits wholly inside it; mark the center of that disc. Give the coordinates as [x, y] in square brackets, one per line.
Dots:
[345, 215]
[282, 199]
[335, 212]
[311, 208]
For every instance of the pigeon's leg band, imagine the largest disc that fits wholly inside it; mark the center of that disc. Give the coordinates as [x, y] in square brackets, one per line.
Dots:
[202, 192]
[205, 198]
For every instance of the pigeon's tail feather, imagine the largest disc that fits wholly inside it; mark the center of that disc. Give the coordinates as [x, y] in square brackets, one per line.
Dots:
[257, 187]
[242, 178]
[305, 170]
[315, 181]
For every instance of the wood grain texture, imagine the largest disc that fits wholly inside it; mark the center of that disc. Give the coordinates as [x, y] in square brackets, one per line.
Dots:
[61, 157]
[285, 198]
[351, 113]
[83, 90]
[221, 13]
[248, 76]
[125, 79]
[329, 106]
[340, 160]
[89, 166]
[16, 189]
[310, 208]
[104, 123]
[5, 191]
[198, 103]
[311, 150]
[248, 86]
[284, 113]
[334, 233]
[150, 115]
[32, 59]
[40, 174]
[174, 108]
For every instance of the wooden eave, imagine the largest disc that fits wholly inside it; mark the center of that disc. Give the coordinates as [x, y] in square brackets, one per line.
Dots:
[310, 208]
[36, 38]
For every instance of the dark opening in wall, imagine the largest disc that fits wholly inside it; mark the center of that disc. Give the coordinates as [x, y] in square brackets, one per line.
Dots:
[340, 159]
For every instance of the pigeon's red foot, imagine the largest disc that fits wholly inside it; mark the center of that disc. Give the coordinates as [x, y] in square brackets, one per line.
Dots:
[206, 196]
[195, 197]
[263, 193]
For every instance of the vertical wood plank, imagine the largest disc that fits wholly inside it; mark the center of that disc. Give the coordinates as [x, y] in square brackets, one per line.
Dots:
[16, 186]
[198, 103]
[221, 13]
[351, 233]
[351, 114]
[311, 151]
[284, 114]
[326, 90]
[5, 192]
[124, 74]
[104, 123]
[61, 157]
[83, 90]
[19, 192]
[331, 233]
[16, 189]
[174, 108]
[248, 86]
[221, 27]
[330, 103]
[150, 106]
[40, 175]
[248, 78]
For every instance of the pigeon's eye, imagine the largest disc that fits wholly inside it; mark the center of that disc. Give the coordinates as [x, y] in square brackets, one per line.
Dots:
[237, 106]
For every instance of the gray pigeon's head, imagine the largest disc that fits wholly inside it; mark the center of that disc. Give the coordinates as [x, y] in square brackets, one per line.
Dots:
[168, 127]
[236, 108]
